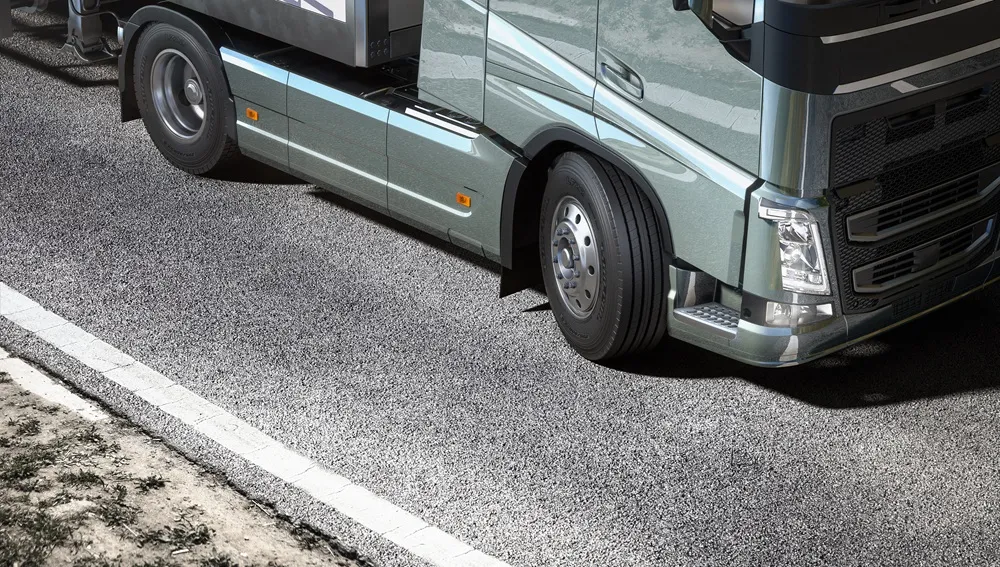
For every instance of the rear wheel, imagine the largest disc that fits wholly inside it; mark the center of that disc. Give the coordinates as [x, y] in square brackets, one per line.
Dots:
[183, 97]
[603, 261]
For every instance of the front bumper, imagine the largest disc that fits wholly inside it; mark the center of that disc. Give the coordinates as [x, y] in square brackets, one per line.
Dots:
[758, 345]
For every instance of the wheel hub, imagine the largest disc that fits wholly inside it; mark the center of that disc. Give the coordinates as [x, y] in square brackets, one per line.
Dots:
[178, 95]
[576, 261]
[192, 91]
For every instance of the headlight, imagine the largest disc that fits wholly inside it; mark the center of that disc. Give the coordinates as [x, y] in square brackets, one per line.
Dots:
[803, 267]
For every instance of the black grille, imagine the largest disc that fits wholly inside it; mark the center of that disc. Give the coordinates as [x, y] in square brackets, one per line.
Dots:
[925, 152]
[912, 211]
[862, 151]
[902, 268]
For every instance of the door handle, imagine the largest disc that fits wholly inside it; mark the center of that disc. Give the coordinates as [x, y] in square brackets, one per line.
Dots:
[623, 78]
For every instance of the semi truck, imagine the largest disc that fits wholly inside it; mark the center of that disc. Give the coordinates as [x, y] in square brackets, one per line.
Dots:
[772, 180]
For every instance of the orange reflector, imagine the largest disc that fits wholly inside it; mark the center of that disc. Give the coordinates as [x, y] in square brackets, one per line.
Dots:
[464, 200]
[252, 114]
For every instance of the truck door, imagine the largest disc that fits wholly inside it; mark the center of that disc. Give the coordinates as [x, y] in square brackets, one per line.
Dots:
[667, 62]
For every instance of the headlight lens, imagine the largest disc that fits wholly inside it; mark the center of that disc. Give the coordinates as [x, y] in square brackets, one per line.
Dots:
[803, 267]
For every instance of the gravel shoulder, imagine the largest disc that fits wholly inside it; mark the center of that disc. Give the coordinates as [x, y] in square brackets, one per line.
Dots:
[103, 494]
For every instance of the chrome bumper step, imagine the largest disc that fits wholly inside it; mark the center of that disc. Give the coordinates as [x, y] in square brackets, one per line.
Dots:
[712, 316]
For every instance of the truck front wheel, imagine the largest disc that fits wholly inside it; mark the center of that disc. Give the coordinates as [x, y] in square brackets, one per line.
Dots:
[183, 97]
[603, 262]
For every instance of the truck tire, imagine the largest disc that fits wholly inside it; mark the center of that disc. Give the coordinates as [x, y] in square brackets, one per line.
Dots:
[603, 259]
[183, 97]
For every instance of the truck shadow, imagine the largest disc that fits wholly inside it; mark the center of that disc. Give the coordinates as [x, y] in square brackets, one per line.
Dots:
[49, 29]
[951, 351]
[247, 170]
[404, 229]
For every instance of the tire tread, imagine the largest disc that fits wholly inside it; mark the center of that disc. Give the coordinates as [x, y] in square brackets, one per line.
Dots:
[646, 319]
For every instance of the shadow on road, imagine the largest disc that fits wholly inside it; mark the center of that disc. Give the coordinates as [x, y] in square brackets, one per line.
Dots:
[405, 229]
[52, 35]
[248, 170]
[951, 351]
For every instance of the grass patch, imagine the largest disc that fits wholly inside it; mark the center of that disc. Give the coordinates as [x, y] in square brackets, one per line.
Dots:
[5, 378]
[50, 410]
[116, 513]
[153, 482]
[24, 466]
[184, 535]
[80, 479]
[90, 435]
[27, 427]
[28, 537]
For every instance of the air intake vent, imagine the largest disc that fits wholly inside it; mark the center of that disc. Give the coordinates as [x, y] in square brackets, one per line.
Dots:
[916, 263]
[920, 208]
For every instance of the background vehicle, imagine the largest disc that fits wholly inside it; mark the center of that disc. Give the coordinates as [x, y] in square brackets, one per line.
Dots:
[768, 179]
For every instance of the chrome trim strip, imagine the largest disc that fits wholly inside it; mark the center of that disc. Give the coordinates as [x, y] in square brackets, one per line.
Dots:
[982, 240]
[678, 146]
[432, 202]
[340, 164]
[337, 97]
[254, 66]
[454, 128]
[315, 154]
[264, 133]
[904, 23]
[917, 69]
[354, 170]
[980, 196]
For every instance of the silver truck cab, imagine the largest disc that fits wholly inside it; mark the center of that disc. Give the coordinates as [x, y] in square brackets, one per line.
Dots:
[772, 180]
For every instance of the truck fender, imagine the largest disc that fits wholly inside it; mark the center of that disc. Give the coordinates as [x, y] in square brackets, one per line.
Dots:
[523, 194]
[204, 29]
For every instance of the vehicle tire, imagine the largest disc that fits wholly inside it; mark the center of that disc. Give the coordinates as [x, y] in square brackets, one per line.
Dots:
[183, 97]
[603, 259]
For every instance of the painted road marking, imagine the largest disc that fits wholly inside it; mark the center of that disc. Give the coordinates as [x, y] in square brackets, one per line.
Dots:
[356, 502]
[48, 389]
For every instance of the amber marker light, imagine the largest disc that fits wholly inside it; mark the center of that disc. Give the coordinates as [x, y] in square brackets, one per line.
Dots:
[252, 114]
[464, 200]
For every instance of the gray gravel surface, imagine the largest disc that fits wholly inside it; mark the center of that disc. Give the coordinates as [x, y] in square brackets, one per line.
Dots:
[388, 357]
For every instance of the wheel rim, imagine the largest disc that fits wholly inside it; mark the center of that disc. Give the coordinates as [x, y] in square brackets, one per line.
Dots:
[576, 262]
[178, 94]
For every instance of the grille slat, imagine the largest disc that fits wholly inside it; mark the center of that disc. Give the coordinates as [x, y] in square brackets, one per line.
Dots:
[885, 275]
[886, 220]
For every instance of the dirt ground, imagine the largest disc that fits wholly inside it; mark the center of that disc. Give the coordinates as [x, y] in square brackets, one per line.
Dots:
[77, 493]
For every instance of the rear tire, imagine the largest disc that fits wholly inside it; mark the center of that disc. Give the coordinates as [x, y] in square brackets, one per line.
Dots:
[603, 260]
[183, 97]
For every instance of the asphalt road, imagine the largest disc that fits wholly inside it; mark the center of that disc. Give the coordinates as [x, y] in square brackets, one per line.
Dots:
[389, 358]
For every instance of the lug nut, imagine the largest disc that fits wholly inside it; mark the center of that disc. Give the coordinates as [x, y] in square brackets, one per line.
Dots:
[576, 258]
[572, 285]
[573, 241]
[576, 273]
[555, 243]
[560, 276]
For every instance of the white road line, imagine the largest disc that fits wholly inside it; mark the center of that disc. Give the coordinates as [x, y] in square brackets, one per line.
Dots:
[41, 385]
[354, 501]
